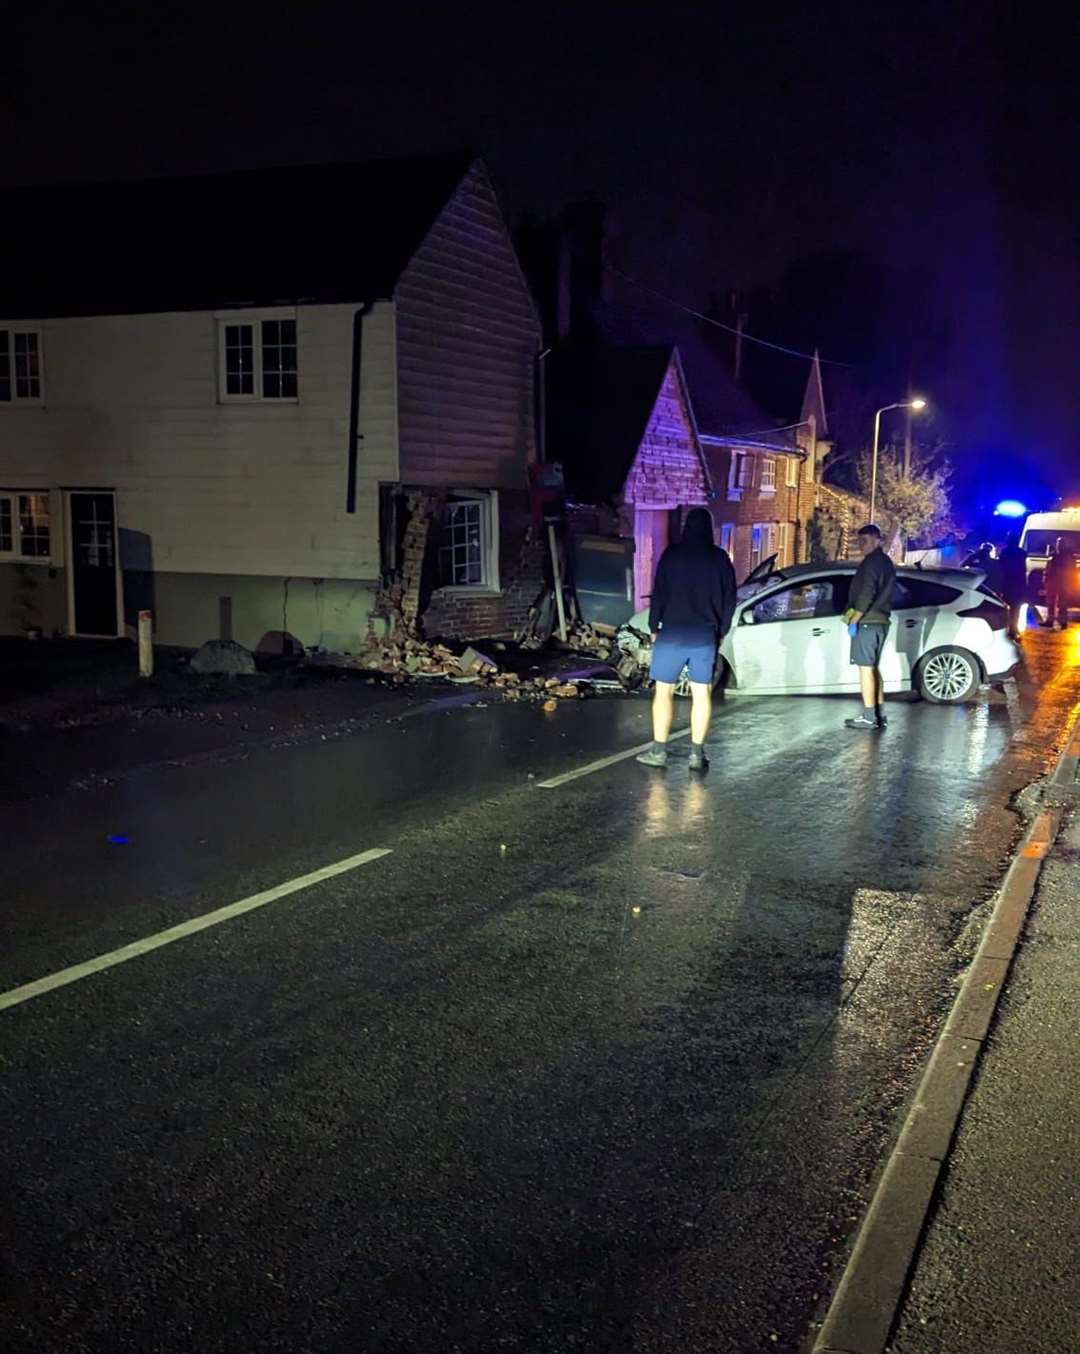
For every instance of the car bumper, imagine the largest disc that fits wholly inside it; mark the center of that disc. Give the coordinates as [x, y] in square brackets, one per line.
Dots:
[999, 657]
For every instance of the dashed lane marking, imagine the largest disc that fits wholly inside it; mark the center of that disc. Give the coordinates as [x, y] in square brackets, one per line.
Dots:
[556, 781]
[17, 995]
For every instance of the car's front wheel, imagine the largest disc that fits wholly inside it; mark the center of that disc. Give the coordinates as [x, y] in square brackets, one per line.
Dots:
[720, 679]
[947, 675]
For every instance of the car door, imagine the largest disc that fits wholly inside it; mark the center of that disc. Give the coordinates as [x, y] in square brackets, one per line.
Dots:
[793, 639]
[916, 606]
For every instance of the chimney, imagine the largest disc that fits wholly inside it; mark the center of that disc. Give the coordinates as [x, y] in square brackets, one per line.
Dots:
[582, 275]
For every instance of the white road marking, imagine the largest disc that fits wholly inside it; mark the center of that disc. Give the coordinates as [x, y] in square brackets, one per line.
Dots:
[18, 995]
[556, 781]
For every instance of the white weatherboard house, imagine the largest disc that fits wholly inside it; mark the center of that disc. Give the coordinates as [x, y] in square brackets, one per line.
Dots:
[209, 388]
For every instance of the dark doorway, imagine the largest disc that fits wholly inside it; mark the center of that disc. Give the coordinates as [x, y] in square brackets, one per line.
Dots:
[93, 563]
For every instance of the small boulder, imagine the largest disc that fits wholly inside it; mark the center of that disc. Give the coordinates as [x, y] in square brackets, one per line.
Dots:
[223, 657]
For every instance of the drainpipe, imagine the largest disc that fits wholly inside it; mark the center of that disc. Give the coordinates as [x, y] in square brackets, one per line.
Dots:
[541, 407]
[354, 405]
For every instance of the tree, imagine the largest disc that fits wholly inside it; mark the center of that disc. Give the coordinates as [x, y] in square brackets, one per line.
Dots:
[919, 505]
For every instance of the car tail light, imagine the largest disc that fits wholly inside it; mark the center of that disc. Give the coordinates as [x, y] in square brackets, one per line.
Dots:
[995, 614]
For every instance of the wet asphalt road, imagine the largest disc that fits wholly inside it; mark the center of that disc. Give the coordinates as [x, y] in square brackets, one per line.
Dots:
[621, 1085]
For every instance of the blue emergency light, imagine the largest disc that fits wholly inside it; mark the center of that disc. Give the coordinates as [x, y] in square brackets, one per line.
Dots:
[1010, 507]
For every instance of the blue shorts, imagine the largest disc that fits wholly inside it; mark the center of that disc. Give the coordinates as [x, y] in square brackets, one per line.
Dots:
[868, 644]
[674, 651]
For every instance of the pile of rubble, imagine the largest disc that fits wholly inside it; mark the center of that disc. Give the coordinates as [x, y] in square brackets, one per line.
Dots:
[584, 638]
[407, 658]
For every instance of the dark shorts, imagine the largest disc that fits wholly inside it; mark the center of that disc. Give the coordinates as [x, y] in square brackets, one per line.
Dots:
[677, 650]
[867, 644]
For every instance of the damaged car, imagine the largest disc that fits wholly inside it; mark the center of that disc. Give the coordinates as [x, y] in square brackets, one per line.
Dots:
[948, 635]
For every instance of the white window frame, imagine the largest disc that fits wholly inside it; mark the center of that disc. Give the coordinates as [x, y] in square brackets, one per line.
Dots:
[16, 555]
[768, 475]
[767, 536]
[488, 501]
[17, 329]
[791, 472]
[740, 474]
[727, 536]
[782, 538]
[253, 319]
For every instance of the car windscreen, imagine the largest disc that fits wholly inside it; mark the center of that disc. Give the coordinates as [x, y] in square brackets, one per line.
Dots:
[1042, 542]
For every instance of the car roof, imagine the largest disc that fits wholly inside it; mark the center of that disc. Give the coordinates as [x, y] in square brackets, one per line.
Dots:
[961, 578]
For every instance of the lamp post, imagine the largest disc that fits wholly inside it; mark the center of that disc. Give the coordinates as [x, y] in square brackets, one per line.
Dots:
[917, 404]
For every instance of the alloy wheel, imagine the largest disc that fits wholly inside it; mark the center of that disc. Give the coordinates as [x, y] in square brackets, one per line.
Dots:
[947, 676]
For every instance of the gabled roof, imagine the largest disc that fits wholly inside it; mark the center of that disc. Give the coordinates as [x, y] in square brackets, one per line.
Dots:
[316, 233]
[722, 408]
[599, 401]
[813, 405]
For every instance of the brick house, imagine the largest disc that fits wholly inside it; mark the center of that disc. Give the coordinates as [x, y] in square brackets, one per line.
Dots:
[273, 405]
[760, 476]
[757, 514]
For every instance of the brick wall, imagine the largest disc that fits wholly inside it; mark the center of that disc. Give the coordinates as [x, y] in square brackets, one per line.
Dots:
[478, 615]
[782, 505]
[668, 471]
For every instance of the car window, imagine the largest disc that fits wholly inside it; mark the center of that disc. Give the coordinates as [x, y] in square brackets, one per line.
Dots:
[912, 592]
[800, 602]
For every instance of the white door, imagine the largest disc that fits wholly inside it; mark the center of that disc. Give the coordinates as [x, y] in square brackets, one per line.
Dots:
[652, 527]
[793, 639]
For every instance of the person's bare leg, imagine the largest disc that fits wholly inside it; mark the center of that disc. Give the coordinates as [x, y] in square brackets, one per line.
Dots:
[868, 685]
[663, 711]
[700, 711]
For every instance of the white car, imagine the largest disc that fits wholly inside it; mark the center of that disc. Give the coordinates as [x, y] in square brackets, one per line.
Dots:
[947, 637]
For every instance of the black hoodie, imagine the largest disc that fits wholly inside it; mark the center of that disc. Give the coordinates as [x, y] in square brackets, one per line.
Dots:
[694, 588]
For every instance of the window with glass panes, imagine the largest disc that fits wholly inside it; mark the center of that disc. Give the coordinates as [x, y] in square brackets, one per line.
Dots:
[279, 359]
[239, 359]
[259, 360]
[463, 544]
[20, 365]
[24, 525]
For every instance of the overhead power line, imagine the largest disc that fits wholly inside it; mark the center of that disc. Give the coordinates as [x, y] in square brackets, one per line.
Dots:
[727, 328]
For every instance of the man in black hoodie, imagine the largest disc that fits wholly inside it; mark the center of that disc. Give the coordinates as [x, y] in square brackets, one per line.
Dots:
[693, 600]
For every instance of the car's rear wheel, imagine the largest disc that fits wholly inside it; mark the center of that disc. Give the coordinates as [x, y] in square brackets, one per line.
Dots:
[947, 675]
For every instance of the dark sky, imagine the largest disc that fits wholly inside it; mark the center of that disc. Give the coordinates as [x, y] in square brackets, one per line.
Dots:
[729, 140]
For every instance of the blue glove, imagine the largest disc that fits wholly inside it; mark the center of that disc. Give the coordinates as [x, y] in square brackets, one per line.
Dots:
[853, 629]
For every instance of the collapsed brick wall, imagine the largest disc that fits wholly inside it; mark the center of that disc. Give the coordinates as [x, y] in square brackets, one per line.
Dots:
[454, 614]
[398, 600]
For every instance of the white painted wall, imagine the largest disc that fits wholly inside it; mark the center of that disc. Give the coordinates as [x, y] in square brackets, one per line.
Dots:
[131, 403]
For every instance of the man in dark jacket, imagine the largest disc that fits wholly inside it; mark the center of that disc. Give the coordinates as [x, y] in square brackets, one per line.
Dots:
[868, 615]
[1014, 584]
[1059, 582]
[693, 600]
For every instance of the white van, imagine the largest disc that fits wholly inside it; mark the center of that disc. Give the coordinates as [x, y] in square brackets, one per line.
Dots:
[1041, 531]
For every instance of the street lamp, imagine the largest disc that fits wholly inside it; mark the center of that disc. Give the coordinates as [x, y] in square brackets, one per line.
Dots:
[917, 404]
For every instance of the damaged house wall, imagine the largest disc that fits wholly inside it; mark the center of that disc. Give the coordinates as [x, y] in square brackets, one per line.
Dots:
[468, 337]
[412, 598]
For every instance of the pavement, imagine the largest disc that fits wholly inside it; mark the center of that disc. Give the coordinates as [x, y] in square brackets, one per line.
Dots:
[997, 1271]
[591, 1058]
